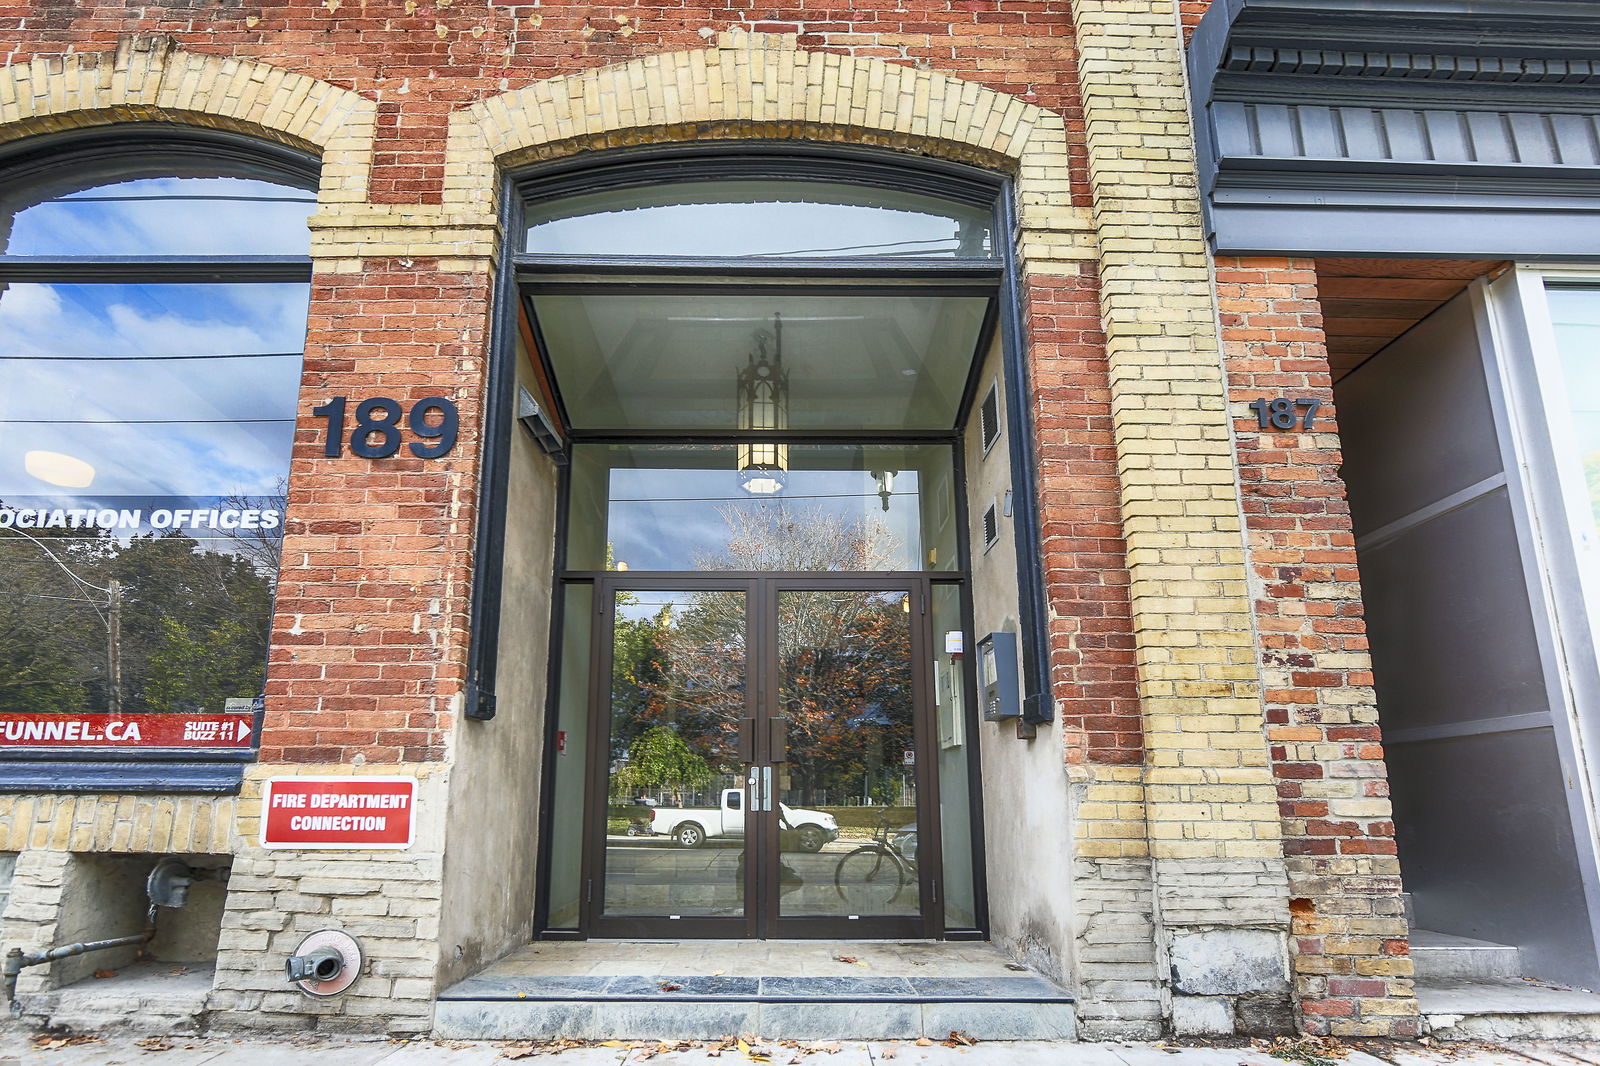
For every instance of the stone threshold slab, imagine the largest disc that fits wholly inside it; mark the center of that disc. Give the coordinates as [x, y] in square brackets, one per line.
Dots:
[1025, 989]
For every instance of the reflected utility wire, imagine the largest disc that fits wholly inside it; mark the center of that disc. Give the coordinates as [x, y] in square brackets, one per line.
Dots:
[141, 358]
[139, 421]
[753, 499]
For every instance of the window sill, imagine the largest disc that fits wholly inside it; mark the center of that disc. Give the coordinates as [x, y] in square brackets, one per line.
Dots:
[155, 770]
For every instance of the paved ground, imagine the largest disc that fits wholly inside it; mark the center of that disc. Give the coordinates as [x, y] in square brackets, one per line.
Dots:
[289, 1051]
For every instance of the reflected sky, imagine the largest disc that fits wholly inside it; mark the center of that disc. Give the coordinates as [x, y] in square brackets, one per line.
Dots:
[758, 218]
[164, 216]
[680, 515]
[128, 379]
[1576, 313]
[678, 519]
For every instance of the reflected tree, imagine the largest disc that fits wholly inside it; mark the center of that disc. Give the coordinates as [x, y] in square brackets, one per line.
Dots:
[191, 622]
[844, 658]
[52, 636]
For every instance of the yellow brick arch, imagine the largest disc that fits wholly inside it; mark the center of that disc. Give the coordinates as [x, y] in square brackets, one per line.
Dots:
[751, 85]
[150, 79]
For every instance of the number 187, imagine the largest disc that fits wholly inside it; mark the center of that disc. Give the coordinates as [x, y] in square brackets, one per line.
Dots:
[1281, 413]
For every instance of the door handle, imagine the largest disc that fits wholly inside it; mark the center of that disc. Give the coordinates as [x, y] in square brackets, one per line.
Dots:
[754, 781]
[778, 738]
[747, 740]
[766, 788]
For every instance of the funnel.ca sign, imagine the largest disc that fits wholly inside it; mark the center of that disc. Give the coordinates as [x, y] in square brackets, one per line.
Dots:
[126, 730]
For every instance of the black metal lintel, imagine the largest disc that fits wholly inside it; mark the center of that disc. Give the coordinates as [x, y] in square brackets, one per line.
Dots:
[154, 270]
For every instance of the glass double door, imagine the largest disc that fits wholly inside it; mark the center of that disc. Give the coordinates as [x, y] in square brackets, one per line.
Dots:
[760, 769]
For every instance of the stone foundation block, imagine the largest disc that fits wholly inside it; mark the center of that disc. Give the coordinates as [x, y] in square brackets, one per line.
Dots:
[1202, 1016]
[1229, 962]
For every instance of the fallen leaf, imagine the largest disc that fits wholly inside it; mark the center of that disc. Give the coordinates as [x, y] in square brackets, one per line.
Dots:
[668, 986]
[518, 1053]
[887, 1053]
[105, 973]
[718, 973]
[153, 1043]
[611, 1043]
[923, 1041]
[844, 958]
[753, 1054]
[958, 1039]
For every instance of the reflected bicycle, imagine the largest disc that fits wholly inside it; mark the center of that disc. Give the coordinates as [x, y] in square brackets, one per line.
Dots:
[878, 863]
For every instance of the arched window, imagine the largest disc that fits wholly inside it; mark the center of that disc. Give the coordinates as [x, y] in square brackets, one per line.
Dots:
[772, 218]
[152, 323]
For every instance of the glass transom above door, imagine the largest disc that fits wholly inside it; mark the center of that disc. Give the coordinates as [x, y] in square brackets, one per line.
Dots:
[759, 218]
[629, 362]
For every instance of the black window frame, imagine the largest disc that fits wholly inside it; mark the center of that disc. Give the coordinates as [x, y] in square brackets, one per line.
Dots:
[752, 159]
[197, 152]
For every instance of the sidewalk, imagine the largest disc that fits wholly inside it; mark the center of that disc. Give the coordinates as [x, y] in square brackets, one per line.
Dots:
[291, 1051]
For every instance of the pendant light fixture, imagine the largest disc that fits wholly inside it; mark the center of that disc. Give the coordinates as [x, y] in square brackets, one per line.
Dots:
[764, 408]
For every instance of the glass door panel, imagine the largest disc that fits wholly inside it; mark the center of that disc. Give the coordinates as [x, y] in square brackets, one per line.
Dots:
[848, 776]
[674, 827]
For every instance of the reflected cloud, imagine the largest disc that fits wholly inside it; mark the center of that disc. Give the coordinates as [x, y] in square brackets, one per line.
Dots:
[168, 216]
[55, 468]
[128, 378]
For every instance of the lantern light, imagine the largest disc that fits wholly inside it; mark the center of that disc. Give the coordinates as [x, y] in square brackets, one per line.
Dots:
[764, 408]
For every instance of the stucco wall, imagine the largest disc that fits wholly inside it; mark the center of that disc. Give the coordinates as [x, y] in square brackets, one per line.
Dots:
[489, 870]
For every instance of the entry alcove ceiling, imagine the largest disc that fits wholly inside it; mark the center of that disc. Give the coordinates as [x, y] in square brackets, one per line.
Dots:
[655, 359]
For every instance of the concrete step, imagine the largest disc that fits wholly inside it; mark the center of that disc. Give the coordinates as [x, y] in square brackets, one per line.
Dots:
[1506, 1008]
[696, 1007]
[1443, 957]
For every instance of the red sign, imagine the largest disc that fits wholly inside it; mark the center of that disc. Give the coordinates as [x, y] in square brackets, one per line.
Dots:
[126, 730]
[359, 813]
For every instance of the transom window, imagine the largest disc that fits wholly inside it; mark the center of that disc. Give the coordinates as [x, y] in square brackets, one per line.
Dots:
[773, 218]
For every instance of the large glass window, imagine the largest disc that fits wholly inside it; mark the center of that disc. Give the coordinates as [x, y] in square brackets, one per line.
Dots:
[146, 420]
[1575, 313]
[844, 507]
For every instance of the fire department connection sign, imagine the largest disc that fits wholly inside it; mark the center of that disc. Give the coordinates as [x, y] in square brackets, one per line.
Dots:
[354, 813]
[126, 730]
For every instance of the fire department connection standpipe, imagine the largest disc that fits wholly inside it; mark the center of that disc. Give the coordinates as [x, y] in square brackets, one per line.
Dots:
[167, 886]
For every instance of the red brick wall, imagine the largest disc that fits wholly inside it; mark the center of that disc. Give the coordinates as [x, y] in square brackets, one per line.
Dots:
[1348, 938]
[371, 626]
[1092, 664]
[368, 642]
[422, 60]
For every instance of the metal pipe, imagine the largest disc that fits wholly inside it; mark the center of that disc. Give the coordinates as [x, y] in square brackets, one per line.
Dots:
[17, 960]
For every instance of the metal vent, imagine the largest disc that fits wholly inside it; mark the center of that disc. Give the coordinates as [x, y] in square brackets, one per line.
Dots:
[989, 417]
[991, 526]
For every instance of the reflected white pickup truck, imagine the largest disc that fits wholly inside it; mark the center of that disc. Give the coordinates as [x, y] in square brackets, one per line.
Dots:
[693, 826]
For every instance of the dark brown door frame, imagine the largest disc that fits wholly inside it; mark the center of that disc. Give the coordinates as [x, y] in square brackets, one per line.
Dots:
[762, 918]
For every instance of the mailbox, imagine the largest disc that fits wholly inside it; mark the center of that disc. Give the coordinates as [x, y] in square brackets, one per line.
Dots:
[997, 677]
